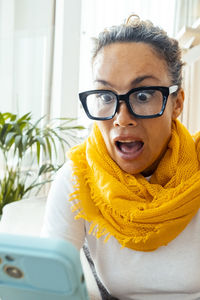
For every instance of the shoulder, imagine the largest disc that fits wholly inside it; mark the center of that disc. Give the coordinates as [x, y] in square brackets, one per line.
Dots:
[61, 187]
[62, 182]
[59, 220]
[65, 171]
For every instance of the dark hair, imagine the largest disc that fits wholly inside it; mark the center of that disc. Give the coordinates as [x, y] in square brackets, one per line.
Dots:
[136, 30]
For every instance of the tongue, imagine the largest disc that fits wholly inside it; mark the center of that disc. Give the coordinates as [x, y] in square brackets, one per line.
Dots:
[130, 147]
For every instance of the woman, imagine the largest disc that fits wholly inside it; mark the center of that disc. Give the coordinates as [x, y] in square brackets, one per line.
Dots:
[134, 184]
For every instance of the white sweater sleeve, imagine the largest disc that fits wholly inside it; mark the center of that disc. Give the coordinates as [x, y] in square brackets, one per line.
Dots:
[58, 219]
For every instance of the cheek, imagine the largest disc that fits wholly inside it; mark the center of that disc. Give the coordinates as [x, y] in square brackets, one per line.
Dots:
[105, 128]
[158, 132]
[160, 128]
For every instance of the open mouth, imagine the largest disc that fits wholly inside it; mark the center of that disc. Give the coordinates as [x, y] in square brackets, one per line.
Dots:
[129, 149]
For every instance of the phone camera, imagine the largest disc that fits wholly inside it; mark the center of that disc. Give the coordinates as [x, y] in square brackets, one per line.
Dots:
[13, 272]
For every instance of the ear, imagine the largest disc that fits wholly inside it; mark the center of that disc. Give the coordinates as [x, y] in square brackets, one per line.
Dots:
[178, 104]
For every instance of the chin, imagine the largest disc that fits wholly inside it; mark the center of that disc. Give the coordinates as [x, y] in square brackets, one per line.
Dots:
[130, 169]
[134, 168]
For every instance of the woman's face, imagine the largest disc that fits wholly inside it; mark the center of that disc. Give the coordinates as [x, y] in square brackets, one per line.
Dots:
[136, 145]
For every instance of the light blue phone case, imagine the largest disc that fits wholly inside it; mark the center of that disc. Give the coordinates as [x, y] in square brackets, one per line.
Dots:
[33, 268]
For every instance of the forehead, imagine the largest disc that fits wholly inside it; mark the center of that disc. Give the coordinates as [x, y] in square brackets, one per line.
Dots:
[122, 63]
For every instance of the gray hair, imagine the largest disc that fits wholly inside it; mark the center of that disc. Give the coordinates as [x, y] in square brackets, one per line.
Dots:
[136, 30]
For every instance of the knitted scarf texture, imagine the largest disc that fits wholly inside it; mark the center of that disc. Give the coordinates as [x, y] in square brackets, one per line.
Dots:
[142, 215]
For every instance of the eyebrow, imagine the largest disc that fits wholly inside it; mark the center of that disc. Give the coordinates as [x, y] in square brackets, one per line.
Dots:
[136, 81]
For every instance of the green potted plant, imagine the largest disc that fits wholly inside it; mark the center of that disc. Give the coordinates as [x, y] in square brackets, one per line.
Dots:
[28, 153]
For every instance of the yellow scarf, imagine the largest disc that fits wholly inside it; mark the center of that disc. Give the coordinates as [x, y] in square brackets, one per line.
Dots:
[141, 215]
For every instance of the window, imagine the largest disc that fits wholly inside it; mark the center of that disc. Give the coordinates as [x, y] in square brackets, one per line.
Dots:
[26, 31]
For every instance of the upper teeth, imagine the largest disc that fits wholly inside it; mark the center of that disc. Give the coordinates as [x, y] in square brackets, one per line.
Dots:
[126, 141]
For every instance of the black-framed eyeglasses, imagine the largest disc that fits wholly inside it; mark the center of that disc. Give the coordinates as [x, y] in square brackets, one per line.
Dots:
[142, 102]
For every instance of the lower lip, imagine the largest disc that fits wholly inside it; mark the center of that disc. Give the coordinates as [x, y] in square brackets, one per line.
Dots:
[129, 156]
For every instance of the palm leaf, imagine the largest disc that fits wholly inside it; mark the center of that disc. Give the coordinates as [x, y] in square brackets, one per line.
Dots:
[23, 140]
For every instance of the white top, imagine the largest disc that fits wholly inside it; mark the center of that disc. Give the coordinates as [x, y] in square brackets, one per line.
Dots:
[171, 272]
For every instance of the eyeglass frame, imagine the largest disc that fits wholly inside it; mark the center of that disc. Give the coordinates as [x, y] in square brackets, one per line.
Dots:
[166, 91]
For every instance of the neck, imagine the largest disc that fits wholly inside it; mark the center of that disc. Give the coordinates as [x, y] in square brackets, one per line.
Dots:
[151, 169]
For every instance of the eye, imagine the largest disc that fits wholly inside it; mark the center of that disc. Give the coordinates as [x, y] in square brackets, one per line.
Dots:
[144, 96]
[106, 98]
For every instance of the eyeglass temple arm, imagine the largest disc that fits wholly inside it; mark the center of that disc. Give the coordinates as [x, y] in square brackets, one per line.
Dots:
[173, 89]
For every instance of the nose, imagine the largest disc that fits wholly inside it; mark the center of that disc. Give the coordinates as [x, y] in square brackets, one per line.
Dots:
[123, 117]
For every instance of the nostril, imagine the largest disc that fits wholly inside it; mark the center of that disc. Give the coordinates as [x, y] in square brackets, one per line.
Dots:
[123, 117]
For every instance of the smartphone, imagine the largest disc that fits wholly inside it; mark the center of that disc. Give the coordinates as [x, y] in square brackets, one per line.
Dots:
[34, 268]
